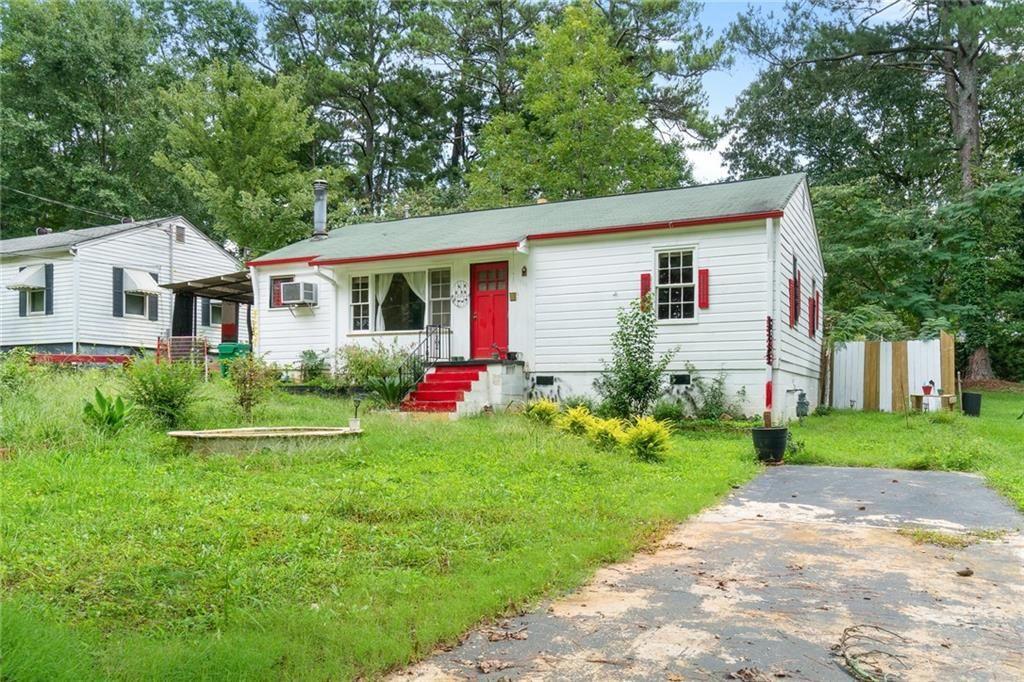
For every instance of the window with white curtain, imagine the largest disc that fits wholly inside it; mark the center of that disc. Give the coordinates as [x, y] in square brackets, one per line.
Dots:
[401, 300]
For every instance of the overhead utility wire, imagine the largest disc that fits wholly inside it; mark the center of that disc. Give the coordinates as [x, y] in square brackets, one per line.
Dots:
[66, 205]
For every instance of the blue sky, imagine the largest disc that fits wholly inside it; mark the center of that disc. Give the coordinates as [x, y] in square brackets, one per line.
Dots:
[722, 87]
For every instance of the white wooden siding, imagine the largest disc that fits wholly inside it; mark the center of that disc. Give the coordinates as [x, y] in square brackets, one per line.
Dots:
[148, 249]
[580, 285]
[797, 352]
[31, 329]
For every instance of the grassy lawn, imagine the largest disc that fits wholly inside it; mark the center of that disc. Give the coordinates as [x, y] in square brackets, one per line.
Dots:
[124, 558]
[992, 444]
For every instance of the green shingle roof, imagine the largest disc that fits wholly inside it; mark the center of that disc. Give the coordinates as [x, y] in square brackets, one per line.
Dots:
[507, 225]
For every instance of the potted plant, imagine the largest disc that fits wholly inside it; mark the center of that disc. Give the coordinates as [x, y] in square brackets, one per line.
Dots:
[927, 388]
[770, 443]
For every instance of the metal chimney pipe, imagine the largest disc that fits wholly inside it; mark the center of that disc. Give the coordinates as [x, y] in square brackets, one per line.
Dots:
[319, 209]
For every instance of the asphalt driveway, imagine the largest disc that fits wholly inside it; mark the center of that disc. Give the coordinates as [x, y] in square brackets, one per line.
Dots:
[807, 573]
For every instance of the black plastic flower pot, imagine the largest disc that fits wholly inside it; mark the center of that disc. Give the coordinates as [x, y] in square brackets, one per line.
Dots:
[971, 404]
[770, 443]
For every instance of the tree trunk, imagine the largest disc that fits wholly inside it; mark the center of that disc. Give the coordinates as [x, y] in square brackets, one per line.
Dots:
[979, 365]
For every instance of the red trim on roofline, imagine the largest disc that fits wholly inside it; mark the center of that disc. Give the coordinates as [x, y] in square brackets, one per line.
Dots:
[664, 225]
[416, 254]
[280, 261]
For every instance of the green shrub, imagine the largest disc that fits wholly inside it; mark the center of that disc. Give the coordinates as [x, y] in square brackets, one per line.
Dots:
[358, 364]
[647, 439]
[388, 391]
[668, 410]
[252, 379]
[105, 414]
[16, 370]
[543, 410]
[312, 365]
[822, 410]
[634, 378]
[580, 401]
[164, 389]
[708, 399]
[575, 420]
[605, 433]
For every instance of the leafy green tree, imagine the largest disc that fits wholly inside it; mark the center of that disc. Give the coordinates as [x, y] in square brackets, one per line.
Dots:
[378, 109]
[949, 47]
[582, 130]
[666, 44]
[478, 46]
[235, 140]
[190, 34]
[78, 117]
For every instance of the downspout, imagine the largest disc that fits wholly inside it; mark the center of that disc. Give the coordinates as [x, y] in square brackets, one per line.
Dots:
[771, 319]
[254, 312]
[336, 322]
[74, 318]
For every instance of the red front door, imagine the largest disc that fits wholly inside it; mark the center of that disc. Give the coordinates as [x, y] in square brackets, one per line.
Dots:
[488, 309]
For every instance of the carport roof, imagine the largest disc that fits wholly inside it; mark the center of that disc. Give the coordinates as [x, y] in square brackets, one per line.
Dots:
[233, 286]
[506, 227]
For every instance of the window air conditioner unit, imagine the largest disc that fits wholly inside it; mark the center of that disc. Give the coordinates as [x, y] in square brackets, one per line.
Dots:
[298, 293]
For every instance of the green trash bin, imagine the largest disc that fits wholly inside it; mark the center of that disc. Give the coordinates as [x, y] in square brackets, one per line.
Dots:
[226, 352]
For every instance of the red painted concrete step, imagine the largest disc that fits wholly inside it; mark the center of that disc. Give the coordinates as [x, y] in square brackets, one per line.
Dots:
[443, 389]
[431, 406]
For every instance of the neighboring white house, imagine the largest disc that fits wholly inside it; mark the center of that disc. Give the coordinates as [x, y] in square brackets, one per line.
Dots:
[735, 270]
[97, 290]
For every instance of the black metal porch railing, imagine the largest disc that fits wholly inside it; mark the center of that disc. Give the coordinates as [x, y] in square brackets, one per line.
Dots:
[435, 345]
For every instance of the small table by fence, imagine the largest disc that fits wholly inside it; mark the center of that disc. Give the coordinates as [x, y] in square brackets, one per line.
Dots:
[934, 402]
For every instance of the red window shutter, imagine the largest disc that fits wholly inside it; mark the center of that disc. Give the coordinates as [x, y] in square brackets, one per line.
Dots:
[702, 289]
[792, 302]
[645, 284]
[275, 293]
[811, 316]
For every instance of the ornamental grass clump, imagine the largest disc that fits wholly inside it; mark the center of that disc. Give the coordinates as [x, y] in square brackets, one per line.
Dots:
[647, 439]
[605, 434]
[543, 410]
[575, 421]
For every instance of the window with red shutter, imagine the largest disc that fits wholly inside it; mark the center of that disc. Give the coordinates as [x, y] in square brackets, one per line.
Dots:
[703, 299]
[275, 290]
[792, 302]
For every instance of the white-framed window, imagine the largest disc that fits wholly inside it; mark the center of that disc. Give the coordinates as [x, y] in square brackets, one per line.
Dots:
[135, 304]
[675, 296]
[440, 294]
[36, 301]
[360, 303]
[215, 312]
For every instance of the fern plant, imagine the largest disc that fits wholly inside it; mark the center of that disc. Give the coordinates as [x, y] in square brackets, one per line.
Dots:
[106, 414]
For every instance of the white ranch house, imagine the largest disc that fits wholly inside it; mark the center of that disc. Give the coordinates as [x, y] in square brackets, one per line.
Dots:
[98, 290]
[527, 296]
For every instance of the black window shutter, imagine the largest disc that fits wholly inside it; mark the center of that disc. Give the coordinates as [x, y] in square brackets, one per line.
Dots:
[118, 292]
[22, 299]
[48, 273]
[205, 321]
[154, 300]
